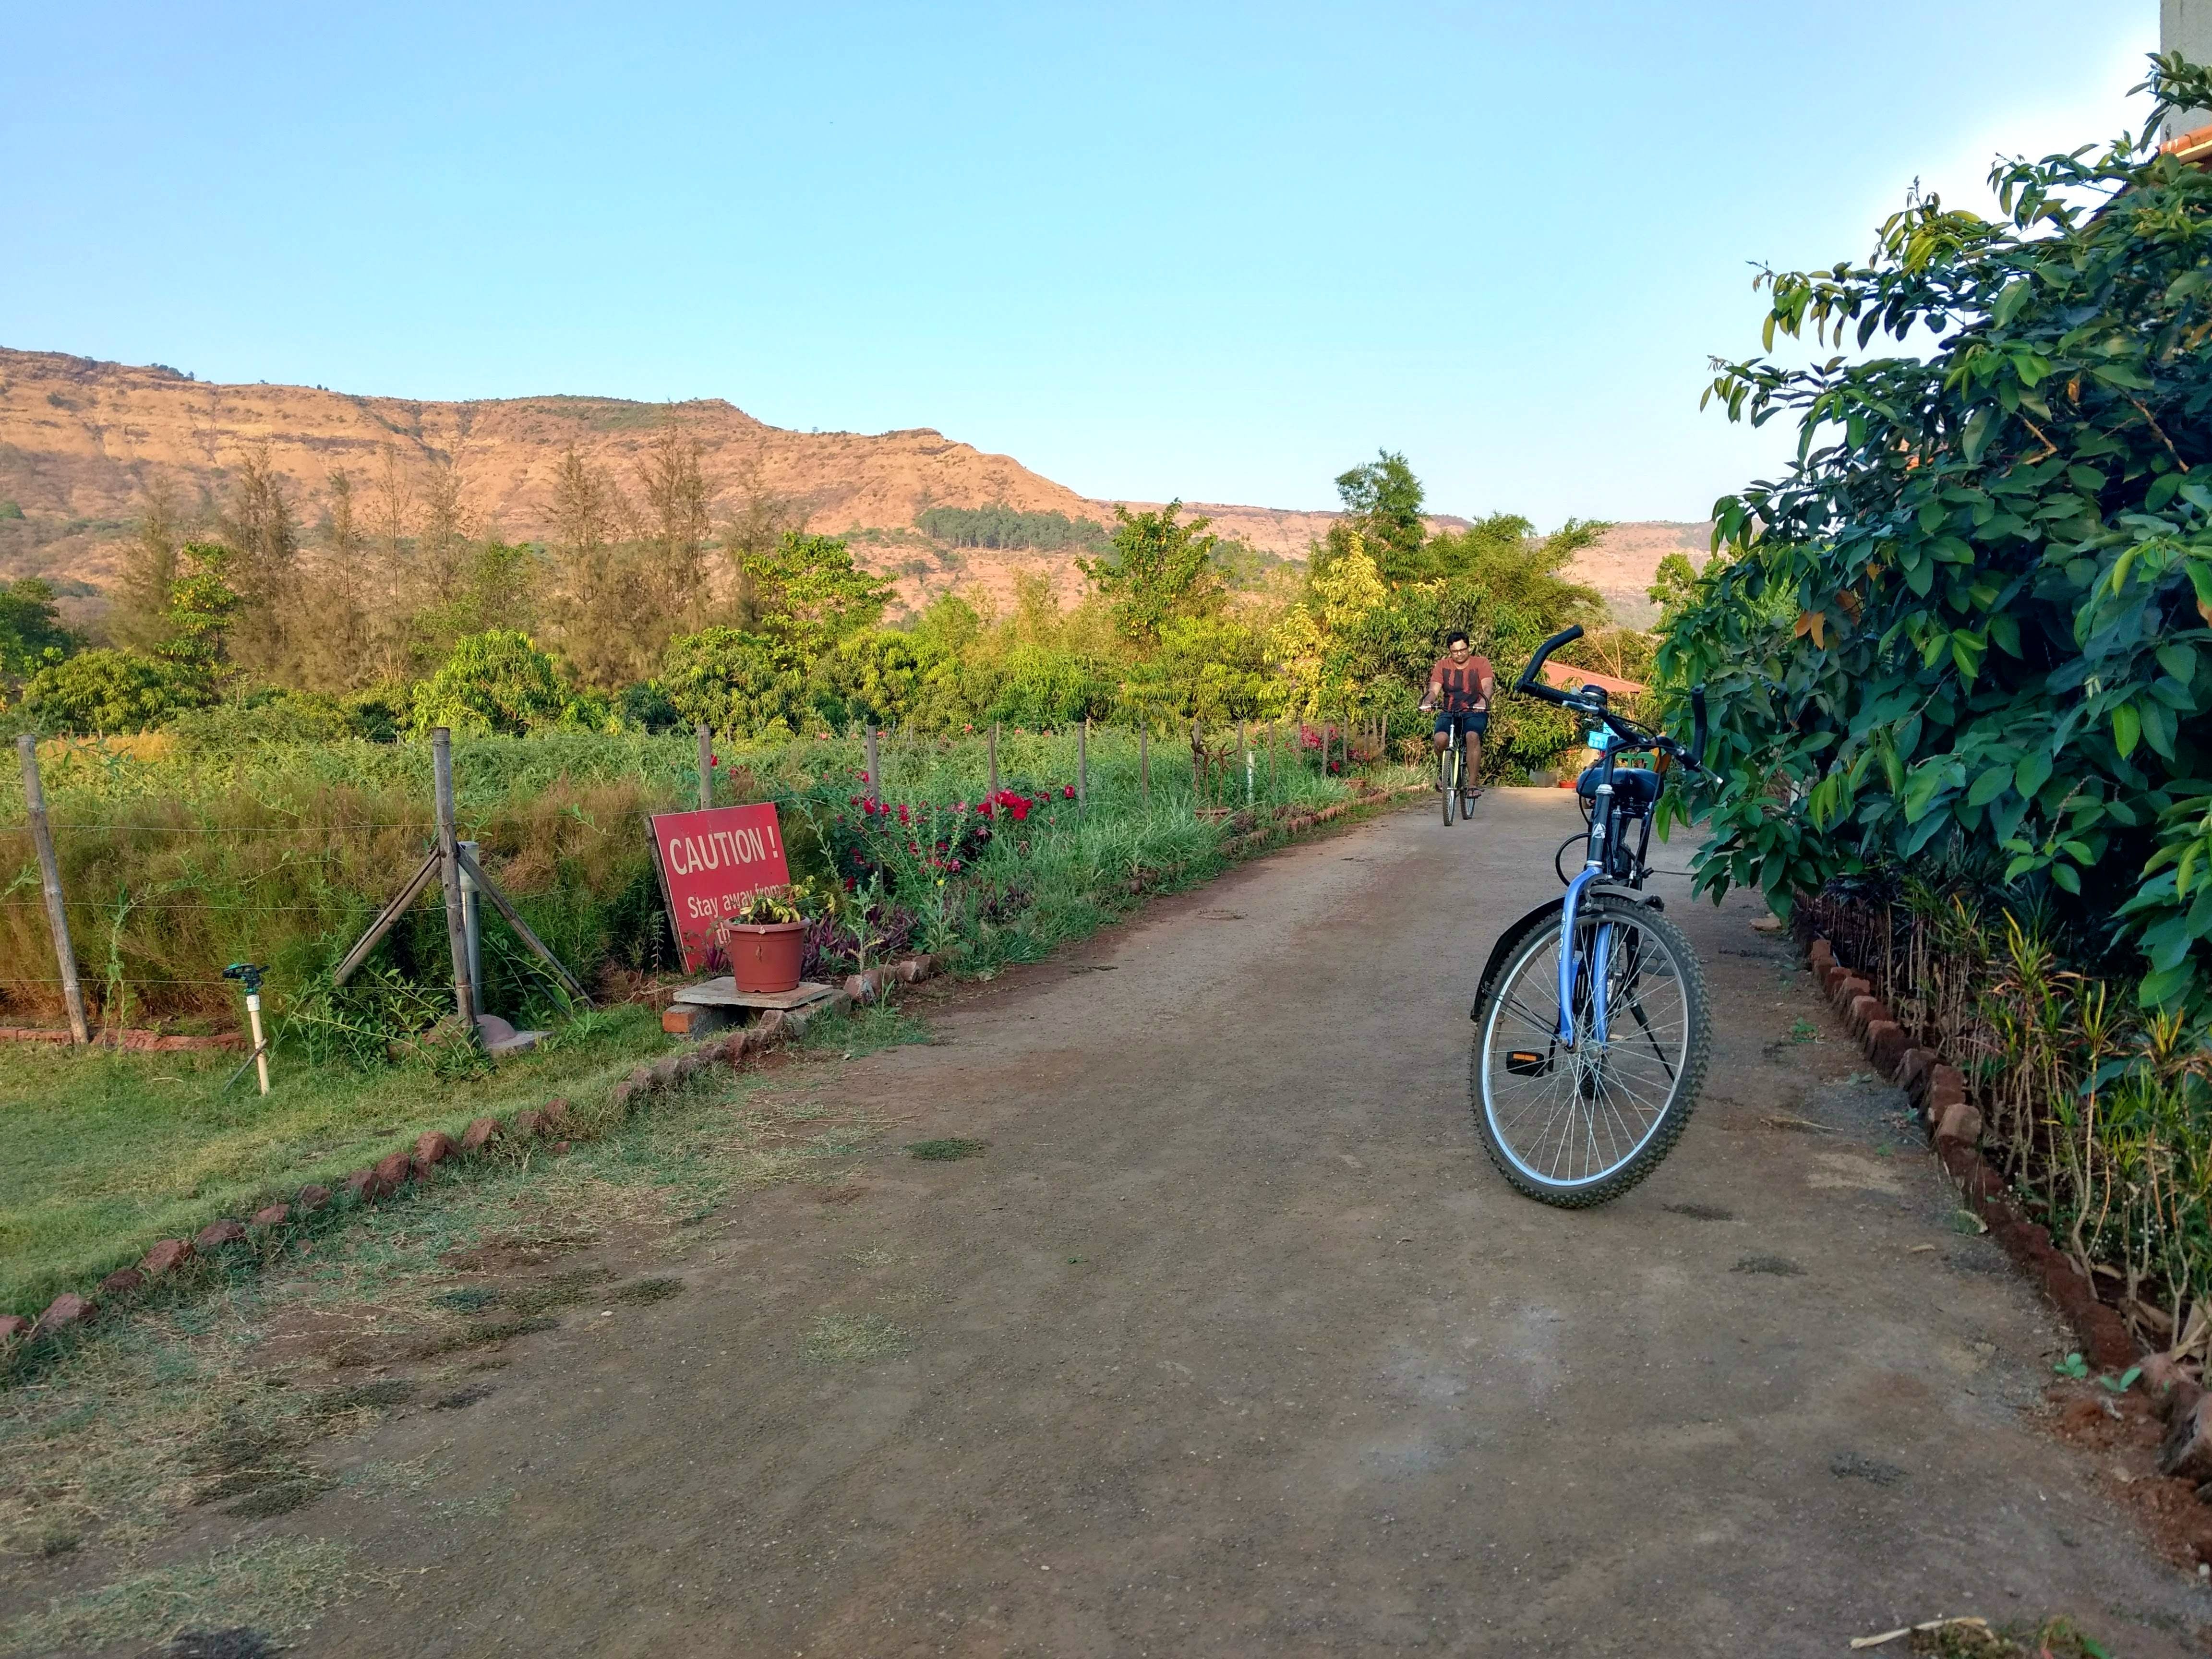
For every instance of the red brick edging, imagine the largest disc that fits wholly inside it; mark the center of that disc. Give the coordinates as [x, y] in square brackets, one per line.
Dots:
[1955, 1126]
[380, 1180]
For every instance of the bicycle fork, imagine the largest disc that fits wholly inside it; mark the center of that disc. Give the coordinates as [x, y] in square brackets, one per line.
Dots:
[1602, 947]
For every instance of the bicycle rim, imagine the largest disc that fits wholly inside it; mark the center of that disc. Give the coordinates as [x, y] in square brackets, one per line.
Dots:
[1580, 1125]
[1447, 772]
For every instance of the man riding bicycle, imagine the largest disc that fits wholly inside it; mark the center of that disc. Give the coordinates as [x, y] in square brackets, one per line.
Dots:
[1460, 689]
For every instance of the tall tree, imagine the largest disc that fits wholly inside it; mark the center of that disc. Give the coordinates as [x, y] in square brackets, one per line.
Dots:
[763, 517]
[140, 618]
[1159, 570]
[260, 530]
[442, 544]
[1383, 503]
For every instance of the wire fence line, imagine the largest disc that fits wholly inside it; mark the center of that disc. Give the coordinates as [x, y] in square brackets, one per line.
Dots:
[155, 906]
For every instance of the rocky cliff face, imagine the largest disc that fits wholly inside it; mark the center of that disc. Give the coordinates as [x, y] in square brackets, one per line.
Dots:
[82, 442]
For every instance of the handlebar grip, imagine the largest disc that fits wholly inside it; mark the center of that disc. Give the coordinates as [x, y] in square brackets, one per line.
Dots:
[1698, 726]
[1536, 663]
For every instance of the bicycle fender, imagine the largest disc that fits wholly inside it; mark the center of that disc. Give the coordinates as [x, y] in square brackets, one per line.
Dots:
[1544, 912]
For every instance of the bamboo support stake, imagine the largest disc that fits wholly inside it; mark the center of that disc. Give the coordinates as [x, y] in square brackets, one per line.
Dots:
[50, 878]
[449, 876]
[1145, 759]
[873, 752]
[1083, 766]
[385, 917]
[991, 744]
[706, 767]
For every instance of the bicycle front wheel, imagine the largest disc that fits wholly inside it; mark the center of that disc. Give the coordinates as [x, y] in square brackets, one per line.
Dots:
[1448, 778]
[1578, 1126]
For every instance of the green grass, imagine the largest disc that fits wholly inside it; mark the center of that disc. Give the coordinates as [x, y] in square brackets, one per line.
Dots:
[111, 1438]
[276, 1588]
[106, 1152]
[947, 1151]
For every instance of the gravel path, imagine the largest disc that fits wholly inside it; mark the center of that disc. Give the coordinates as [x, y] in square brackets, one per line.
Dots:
[1232, 1342]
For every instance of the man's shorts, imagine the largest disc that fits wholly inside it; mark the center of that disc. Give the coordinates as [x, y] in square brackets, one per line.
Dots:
[1472, 724]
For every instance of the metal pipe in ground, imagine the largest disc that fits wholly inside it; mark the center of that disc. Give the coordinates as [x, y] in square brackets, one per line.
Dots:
[449, 877]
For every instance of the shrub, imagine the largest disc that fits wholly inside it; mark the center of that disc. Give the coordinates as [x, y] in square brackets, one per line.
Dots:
[101, 691]
[498, 681]
[1970, 619]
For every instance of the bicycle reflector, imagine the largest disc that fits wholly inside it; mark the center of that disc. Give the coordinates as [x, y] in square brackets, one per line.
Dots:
[1522, 1063]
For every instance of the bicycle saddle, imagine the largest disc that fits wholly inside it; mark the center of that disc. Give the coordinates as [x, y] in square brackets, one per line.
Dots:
[1632, 786]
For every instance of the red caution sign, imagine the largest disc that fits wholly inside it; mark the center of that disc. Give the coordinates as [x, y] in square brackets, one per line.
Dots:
[710, 863]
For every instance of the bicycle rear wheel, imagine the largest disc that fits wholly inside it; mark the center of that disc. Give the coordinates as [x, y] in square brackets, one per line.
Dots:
[1576, 1126]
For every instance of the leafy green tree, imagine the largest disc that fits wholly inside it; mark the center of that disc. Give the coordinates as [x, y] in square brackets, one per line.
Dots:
[99, 692]
[1382, 502]
[1673, 588]
[1505, 557]
[742, 685]
[1040, 687]
[1001, 526]
[810, 593]
[195, 638]
[1160, 568]
[498, 681]
[32, 636]
[1970, 621]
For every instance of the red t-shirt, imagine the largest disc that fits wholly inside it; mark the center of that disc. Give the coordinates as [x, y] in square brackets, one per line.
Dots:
[1461, 683]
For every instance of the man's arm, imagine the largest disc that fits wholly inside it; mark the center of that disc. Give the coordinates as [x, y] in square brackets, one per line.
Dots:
[1489, 683]
[1435, 687]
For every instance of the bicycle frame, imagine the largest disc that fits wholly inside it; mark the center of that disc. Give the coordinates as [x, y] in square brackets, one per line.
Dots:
[1616, 736]
[1594, 869]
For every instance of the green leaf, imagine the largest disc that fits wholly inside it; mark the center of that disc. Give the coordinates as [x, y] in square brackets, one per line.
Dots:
[2033, 771]
[2127, 729]
[2064, 876]
[1980, 428]
[2179, 660]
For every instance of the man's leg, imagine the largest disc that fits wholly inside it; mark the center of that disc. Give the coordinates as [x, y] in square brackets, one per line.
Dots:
[1474, 761]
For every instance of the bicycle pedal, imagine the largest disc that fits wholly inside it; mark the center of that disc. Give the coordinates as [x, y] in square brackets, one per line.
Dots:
[1522, 1063]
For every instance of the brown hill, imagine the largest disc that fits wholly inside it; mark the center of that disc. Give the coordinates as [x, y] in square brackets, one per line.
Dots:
[81, 441]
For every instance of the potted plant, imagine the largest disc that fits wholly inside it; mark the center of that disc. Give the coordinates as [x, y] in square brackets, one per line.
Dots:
[765, 940]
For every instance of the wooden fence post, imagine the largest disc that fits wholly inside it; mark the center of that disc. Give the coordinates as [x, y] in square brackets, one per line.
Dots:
[50, 878]
[449, 877]
[991, 744]
[706, 767]
[1083, 766]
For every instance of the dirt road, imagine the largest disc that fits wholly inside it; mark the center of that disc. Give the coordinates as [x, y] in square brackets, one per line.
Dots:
[1232, 1342]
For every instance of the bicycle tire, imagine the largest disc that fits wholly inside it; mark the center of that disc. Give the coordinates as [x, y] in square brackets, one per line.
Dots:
[1668, 1124]
[1447, 775]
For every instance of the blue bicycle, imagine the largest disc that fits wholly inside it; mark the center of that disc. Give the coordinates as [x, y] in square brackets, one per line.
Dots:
[1591, 1028]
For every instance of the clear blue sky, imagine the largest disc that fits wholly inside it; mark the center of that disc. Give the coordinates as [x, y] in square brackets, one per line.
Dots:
[1219, 252]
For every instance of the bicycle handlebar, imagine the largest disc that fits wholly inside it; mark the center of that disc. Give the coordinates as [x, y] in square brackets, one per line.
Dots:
[1592, 702]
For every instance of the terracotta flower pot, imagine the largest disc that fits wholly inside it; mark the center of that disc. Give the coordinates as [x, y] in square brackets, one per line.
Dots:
[764, 956]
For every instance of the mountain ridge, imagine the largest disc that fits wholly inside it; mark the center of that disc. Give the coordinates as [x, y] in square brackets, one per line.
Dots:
[82, 440]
